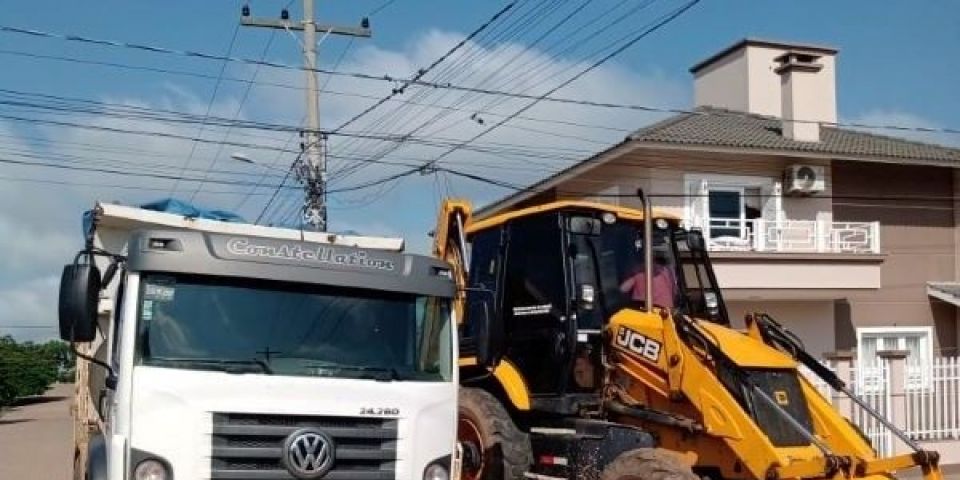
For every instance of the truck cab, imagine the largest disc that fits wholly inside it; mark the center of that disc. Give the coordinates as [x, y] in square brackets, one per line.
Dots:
[234, 355]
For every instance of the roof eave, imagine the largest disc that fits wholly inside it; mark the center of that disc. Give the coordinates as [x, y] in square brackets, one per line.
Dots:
[794, 153]
[624, 146]
[632, 144]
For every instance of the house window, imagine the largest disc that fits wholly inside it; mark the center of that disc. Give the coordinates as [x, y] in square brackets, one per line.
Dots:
[732, 210]
[915, 340]
[726, 207]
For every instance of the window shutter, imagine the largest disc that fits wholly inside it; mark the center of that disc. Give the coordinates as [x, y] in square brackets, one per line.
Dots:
[699, 205]
[773, 203]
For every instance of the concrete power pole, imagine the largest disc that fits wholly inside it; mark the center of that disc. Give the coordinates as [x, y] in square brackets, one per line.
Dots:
[315, 168]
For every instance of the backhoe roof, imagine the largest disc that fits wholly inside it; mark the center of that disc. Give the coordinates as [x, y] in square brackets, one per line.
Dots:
[623, 212]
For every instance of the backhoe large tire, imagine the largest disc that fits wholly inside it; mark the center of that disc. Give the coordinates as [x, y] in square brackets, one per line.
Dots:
[648, 464]
[503, 450]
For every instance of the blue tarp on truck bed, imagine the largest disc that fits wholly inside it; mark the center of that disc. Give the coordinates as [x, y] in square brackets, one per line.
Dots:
[178, 207]
[172, 205]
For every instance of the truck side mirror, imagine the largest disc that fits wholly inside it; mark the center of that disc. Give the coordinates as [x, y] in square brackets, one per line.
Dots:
[79, 296]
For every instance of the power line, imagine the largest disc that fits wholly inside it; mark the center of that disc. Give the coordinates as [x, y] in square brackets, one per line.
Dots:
[536, 19]
[236, 114]
[293, 135]
[643, 34]
[394, 79]
[166, 71]
[423, 71]
[102, 186]
[213, 98]
[382, 6]
[528, 21]
[127, 173]
[490, 147]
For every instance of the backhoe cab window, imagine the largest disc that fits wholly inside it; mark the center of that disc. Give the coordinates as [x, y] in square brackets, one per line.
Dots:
[612, 260]
[535, 287]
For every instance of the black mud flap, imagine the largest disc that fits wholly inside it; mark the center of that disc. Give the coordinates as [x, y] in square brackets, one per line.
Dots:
[97, 458]
[579, 449]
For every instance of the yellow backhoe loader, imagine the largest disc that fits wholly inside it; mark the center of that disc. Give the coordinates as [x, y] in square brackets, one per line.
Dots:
[568, 371]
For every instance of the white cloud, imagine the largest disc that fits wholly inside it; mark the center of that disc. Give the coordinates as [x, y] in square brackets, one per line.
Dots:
[40, 224]
[31, 304]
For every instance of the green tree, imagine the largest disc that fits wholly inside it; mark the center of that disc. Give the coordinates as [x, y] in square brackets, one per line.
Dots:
[29, 369]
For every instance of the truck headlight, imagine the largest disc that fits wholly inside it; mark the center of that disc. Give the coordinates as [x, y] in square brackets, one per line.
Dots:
[436, 471]
[151, 469]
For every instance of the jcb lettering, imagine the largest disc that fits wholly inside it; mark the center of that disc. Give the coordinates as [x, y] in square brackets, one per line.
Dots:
[639, 344]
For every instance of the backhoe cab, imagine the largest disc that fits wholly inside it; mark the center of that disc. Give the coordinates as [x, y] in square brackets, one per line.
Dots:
[574, 365]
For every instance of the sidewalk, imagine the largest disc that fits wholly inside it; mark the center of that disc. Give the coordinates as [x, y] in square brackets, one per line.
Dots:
[36, 437]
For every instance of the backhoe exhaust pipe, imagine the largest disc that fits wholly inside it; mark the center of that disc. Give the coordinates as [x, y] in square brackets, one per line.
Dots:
[647, 250]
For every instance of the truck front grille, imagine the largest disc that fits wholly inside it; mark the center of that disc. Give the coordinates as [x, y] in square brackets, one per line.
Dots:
[250, 446]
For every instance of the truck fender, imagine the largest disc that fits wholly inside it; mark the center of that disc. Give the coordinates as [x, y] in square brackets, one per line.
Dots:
[97, 458]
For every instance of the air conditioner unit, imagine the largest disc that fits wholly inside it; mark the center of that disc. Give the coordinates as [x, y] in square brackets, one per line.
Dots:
[804, 179]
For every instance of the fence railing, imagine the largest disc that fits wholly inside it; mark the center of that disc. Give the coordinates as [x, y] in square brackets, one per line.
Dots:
[816, 236]
[924, 402]
[933, 402]
[869, 384]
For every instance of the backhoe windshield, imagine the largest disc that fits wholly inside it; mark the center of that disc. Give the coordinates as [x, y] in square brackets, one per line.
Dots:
[618, 253]
[267, 327]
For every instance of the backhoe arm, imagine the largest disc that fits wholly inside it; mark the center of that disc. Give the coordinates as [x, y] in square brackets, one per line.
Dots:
[773, 333]
[449, 244]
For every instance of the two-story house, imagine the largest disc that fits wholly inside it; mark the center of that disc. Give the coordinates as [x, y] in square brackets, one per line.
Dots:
[847, 237]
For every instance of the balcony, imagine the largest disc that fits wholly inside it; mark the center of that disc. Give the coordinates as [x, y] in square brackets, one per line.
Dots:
[791, 236]
[793, 259]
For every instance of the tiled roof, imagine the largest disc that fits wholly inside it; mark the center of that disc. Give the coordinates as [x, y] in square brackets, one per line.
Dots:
[710, 127]
[724, 128]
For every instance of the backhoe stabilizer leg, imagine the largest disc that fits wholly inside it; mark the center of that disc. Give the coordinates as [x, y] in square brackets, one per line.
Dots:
[928, 461]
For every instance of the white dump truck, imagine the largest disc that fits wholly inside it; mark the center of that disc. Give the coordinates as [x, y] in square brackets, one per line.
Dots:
[220, 350]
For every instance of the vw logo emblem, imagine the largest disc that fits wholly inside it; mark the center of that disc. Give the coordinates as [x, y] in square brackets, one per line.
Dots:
[308, 454]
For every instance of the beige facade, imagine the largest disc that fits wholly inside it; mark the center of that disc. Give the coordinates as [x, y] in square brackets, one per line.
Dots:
[824, 297]
[835, 232]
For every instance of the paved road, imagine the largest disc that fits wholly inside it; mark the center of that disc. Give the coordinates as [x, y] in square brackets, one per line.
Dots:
[36, 437]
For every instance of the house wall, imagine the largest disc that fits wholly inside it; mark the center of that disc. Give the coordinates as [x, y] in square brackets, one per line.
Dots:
[812, 321]
[725, 83]
[664, 172]
[918, 237]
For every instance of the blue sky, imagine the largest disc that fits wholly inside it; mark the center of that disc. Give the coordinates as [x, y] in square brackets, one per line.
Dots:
[898, 63]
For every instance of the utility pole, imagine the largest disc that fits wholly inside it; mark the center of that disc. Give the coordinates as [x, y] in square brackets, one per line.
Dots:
[314, 170]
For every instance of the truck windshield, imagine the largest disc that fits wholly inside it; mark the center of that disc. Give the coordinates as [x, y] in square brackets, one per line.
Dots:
[279, 328]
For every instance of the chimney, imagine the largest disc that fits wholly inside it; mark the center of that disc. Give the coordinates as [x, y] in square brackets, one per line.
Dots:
[773, 79]
[799, 96]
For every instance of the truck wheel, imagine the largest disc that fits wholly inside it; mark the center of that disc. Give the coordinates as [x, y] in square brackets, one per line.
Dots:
[648, 464]
[487, 433]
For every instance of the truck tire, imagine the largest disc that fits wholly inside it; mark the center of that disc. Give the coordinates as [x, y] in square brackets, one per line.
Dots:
[648, 464]
[484, 427]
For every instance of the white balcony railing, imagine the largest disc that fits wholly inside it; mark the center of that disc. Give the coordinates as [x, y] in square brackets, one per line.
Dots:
[800, 236]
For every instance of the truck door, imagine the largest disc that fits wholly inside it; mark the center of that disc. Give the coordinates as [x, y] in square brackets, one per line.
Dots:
[535, 303]
[106, 400]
